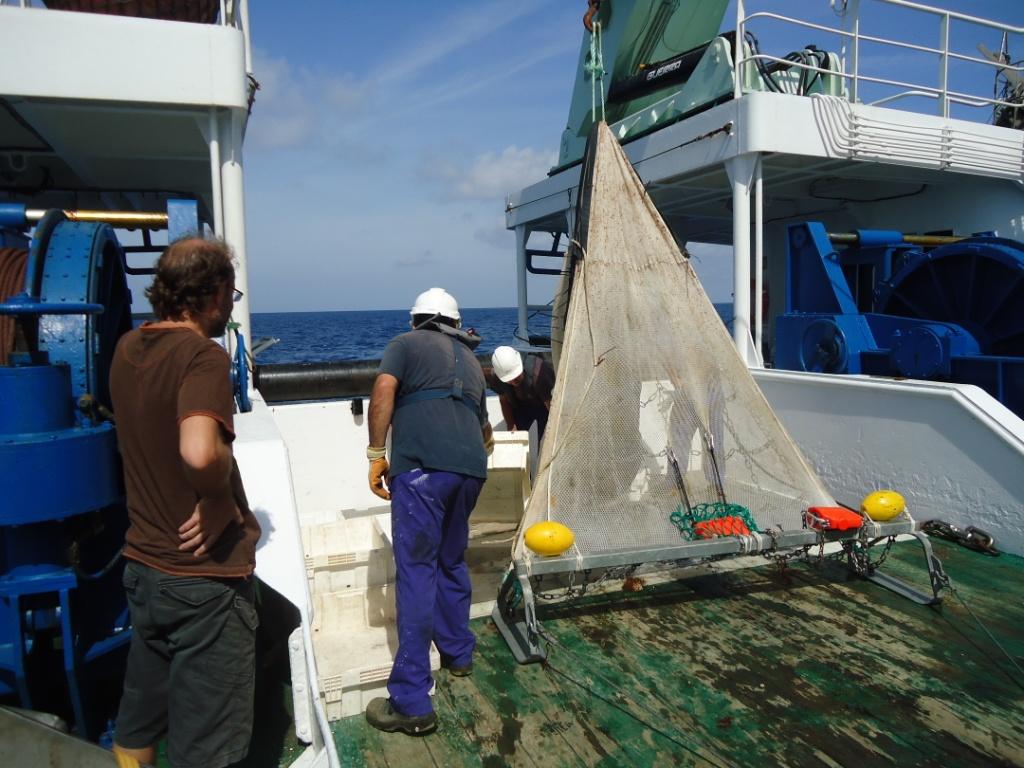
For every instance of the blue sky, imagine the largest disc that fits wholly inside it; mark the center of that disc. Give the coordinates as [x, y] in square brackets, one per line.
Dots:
[386, 135]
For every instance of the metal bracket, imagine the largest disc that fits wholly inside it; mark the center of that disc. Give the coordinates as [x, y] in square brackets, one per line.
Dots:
[936, 575]
[302, 698]
[523, 637]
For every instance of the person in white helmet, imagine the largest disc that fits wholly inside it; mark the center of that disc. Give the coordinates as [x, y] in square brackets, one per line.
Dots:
[524, 388]
[429, 391]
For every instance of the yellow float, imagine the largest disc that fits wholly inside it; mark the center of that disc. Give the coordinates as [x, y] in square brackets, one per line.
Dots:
[883, 505]
[549, 538]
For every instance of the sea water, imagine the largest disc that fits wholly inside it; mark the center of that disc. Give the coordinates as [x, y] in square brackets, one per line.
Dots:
[362, 335]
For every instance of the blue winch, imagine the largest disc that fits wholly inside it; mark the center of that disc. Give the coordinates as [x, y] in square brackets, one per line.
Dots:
[63, 618]
[923, 307]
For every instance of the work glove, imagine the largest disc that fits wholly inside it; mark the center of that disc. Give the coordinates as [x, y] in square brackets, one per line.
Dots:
[489, 444]
[378, 473]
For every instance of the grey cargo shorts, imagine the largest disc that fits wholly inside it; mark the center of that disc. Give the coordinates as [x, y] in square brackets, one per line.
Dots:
[191, 667]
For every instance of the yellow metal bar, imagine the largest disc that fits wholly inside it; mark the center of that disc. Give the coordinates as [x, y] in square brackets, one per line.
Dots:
[851, 238]
[129, 219]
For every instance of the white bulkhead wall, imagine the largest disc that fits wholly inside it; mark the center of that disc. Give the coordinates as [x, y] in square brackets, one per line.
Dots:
[119, 59]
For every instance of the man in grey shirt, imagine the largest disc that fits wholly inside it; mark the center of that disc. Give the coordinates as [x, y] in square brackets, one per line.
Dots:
[430, 392]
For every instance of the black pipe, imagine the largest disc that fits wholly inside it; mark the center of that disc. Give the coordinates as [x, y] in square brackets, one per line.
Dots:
[288, 382]
[315, 381]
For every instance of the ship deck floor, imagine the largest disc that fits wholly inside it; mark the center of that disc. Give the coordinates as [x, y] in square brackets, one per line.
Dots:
[748, 667]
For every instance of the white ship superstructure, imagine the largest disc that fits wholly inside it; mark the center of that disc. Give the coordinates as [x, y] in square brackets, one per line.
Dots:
[127, 112]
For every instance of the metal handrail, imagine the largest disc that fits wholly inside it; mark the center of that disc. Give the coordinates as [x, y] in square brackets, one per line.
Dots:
[852, 78]
[920, 90]
[955, 15]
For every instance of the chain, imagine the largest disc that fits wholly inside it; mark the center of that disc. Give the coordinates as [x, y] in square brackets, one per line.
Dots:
[782, 559]
[859, 555]
[821, 546]
[885, 552]
[573, 591]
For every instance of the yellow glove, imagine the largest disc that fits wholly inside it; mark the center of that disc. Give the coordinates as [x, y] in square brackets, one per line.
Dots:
[378, 473]
[489, 444]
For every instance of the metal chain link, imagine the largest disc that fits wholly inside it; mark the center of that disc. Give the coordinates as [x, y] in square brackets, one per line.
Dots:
[572, 591]
[782, 559]
[858, 553]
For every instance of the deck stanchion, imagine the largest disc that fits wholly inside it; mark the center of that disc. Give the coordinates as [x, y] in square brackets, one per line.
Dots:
[218, 194]
[944, 66]
[758, 257]
[522, 235]
[234, 211]
[741, 171]
[855, 52]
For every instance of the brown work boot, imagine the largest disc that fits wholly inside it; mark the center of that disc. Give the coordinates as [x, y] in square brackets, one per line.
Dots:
[465, 670]
[384, 717]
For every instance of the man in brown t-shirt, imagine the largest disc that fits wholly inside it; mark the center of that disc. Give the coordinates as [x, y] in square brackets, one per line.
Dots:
[191, 543]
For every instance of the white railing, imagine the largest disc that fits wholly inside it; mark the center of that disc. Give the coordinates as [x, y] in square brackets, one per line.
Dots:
[853, 78]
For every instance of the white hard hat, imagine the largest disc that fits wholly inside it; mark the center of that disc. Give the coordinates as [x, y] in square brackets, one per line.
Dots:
[507, 363]
[436, 301]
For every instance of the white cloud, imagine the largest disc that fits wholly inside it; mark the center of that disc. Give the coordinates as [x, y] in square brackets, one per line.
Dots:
[495, 235]
[295, 105]
[283, 114]
[344, 93]
[422, 259]
[452, 33]
[492, 174]
[466, 83]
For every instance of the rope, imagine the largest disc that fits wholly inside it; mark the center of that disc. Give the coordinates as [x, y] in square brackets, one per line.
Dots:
[595, 66]
[675, 738]
[1019, 681]
[13, 262]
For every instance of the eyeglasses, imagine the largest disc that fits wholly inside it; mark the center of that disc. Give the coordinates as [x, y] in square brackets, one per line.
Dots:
[237, 296]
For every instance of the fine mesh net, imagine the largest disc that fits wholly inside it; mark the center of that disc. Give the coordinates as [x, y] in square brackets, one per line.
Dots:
[649, 382]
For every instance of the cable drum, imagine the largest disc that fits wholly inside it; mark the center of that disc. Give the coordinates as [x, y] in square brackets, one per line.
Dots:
[976, 283]
[12, 281]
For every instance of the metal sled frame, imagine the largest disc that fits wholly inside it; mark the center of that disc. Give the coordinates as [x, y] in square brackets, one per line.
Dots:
[517, 619]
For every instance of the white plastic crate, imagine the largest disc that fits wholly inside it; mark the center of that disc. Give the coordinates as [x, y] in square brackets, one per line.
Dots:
[349, 693]
[355, 639]
[351, 573]
[347, 554]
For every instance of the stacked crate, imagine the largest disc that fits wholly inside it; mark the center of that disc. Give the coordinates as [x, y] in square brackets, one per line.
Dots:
[351, 575]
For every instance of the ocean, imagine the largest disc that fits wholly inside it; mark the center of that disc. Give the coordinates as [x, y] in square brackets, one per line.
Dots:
[362, 335]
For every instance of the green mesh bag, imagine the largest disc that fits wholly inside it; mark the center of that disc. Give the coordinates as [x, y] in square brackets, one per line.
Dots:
[718, 518]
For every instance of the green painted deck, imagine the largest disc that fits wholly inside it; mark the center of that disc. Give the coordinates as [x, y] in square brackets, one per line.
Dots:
[746, 668]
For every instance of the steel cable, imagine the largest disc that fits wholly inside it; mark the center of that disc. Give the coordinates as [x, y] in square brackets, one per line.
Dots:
[12, 281]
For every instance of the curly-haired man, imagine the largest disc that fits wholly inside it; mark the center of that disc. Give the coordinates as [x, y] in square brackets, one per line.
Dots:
[192, 539]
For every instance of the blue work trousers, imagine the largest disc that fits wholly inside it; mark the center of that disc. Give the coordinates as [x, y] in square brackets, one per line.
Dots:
[528, 412]
[430, 531]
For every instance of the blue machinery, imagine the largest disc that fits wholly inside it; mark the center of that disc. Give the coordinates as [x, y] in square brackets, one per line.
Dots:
[887, 304]
[63, 618]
